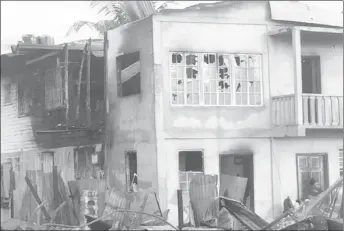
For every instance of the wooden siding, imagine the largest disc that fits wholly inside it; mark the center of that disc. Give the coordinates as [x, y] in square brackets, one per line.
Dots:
[16, 132]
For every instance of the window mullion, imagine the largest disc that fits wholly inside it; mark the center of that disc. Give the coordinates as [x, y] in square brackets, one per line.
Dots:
[247, 82]
[217, 80]
[185, 78]
[201, 80]
[232, 80]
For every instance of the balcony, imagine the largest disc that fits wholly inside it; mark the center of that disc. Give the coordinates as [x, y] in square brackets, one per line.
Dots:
[318, 112]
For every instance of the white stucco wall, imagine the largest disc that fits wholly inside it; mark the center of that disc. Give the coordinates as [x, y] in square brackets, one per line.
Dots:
[284, 163]
[212, 149]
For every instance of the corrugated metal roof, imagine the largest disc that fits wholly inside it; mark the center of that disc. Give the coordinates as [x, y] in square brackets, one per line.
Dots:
[21, 48]
[304, 13]
[289, 11]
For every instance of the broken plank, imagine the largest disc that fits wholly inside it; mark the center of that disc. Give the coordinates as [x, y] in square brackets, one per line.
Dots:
[235, 186]
[38, 200]
[72, 196]
[42, 57]
[142, 208]
[203, 191]
[130, 71]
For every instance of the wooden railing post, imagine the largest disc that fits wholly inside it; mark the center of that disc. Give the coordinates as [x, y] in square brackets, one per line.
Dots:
[296, 37]
[180, 209]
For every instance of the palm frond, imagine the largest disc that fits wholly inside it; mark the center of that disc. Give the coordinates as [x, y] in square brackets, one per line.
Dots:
[99, 27]
[119, 13]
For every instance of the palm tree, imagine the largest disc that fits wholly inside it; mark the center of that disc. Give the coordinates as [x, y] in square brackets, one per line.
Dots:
[119, 13]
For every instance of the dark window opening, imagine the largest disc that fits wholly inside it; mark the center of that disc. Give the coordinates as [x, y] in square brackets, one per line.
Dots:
[7, 93]
[131, 169]
[128, 74]
[311, 75]
[191, 161]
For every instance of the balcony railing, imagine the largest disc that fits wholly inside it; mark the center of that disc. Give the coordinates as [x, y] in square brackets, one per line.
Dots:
[318, 111]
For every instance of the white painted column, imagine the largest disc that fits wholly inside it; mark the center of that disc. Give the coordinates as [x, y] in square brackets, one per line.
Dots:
[297, 75]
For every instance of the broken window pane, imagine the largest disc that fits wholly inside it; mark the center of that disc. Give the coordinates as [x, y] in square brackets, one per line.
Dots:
[191, 73]
[254, 61]
[177, 85]
[191, 59]
[238, 87]
[209, 59]
[177, 58]
[240, 60]
[178, 98]
[224, 73]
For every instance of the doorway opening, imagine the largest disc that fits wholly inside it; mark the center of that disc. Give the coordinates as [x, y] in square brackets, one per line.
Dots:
[239, 166]
[311, 83]
[131, 170]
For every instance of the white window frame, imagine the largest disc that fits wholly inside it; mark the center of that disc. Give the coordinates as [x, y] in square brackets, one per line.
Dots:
[201, 80]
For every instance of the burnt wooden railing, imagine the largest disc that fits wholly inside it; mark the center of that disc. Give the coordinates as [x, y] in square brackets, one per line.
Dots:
[318, 111]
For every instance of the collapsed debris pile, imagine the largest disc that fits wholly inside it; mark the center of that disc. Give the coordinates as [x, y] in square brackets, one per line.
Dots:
[80, 207]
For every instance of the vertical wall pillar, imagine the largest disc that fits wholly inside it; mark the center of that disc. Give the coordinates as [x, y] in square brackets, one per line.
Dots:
[296, 37]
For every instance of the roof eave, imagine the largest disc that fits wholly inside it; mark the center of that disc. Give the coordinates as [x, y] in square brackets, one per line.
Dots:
[286, 30]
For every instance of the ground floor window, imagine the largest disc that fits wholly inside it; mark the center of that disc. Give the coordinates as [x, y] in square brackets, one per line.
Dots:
[311, 174]
[190, 164]
[131, 170]
[88, 163]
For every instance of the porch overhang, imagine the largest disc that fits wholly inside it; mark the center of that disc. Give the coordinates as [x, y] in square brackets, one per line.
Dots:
[288, 30]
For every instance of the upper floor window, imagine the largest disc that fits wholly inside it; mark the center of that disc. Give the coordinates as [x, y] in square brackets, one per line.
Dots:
[7, 93]
[53, 87]
[215, 79]
[25, 93]
[128, 74]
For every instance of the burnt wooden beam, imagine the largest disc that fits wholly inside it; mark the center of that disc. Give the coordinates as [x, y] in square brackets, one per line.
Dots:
[88, 77]
[42, 57]
[79, 82]
[38, 200]
[66, 79]
[12, 188]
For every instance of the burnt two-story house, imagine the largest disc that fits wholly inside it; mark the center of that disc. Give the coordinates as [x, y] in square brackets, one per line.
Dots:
[240, 88]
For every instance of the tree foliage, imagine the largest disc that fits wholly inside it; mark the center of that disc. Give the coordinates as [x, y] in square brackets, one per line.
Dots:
[118, 12]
